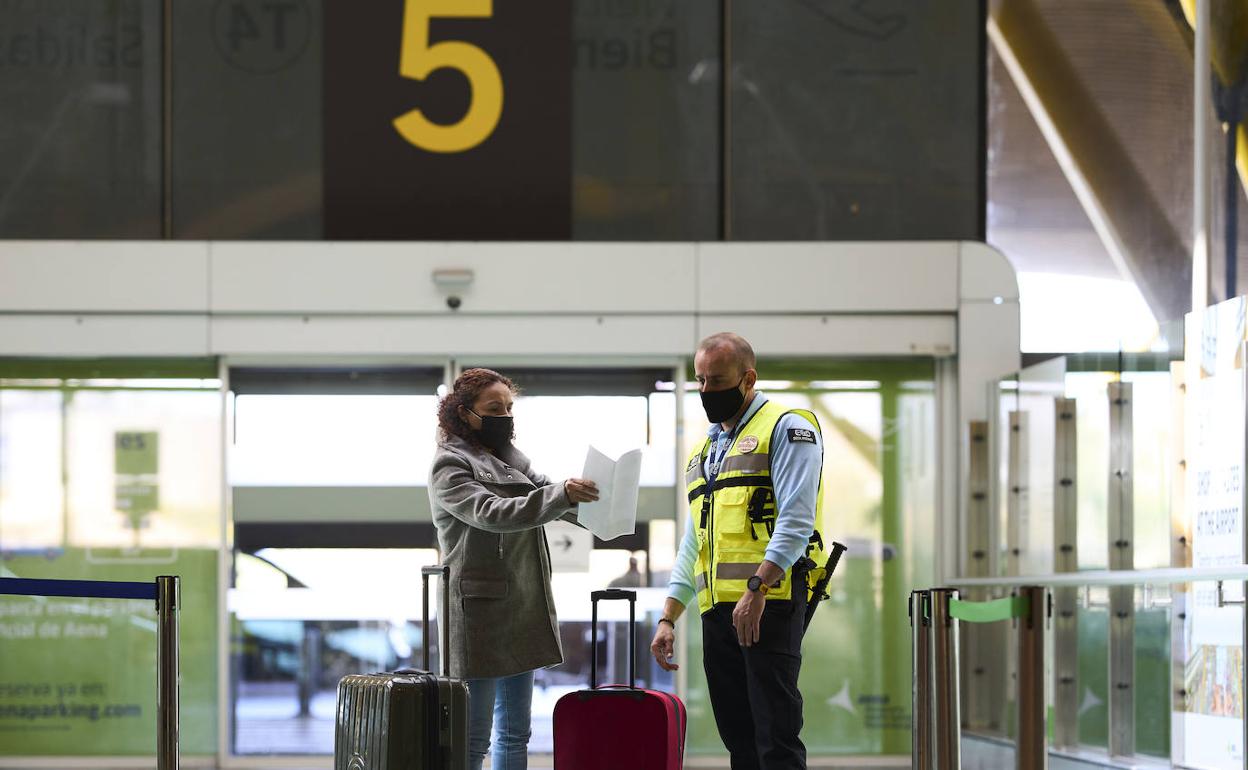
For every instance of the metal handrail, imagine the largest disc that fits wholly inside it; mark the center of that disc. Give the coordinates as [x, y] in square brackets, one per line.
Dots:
[1163, 576]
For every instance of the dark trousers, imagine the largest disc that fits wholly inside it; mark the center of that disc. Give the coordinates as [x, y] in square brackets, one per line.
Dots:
[753, 690]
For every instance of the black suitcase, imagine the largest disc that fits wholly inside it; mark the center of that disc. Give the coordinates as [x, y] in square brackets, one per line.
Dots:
[409, 719]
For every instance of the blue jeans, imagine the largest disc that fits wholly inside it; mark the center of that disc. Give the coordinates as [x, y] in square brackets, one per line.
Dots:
[503, 703]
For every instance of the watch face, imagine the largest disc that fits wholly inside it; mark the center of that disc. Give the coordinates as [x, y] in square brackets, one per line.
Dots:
[754, 583]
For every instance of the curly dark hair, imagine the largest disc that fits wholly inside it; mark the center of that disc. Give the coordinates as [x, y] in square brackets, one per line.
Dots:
[467, 388]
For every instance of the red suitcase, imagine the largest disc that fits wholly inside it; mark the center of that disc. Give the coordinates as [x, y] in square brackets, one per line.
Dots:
[619, 727]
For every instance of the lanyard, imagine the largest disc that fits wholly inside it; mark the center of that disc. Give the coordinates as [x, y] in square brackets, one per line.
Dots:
[720, 446]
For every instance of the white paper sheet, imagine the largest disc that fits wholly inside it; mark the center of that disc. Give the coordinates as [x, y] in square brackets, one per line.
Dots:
[615, 513]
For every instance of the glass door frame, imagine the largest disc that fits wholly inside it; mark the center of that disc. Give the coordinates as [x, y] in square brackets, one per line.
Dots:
[947, 524]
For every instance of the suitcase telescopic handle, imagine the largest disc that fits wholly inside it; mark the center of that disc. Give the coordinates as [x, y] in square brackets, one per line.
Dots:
[443, 574]
[608, 594]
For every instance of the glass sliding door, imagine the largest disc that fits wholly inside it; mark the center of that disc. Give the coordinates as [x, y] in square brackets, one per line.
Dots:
[878, 420]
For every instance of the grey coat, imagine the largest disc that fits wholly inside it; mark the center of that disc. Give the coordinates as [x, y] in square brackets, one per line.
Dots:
[489, 511]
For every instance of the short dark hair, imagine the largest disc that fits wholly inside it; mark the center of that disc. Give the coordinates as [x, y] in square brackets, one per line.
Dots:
[735, 343]
[464, 392]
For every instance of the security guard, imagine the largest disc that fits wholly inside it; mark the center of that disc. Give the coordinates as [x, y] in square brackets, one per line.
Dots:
[748, 556]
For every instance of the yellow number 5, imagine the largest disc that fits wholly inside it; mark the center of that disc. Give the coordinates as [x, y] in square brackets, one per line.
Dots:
[417, 59]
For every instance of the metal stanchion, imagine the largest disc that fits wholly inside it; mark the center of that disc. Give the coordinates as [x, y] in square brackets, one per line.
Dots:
[1032, 748]
[921, 669]
[165, 591]
[167, 672]
[947, 722]
[936, 710]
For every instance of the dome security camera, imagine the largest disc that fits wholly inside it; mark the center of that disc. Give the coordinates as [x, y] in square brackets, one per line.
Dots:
[453, 281]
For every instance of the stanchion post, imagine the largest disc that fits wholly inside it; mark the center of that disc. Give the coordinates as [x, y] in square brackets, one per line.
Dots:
[947, 729]
[167, 672]
[921, 682]
[1032, 749]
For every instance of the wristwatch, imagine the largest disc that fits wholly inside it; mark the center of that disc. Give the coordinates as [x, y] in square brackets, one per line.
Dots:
[756, 584]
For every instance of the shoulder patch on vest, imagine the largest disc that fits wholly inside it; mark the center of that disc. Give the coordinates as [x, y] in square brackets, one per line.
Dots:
[693, 463]
[801, 435]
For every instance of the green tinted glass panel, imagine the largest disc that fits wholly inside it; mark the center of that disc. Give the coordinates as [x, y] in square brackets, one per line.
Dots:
[1094, 678]
[88, 491]
[108, 368]
[878, 423]
[1152, 682]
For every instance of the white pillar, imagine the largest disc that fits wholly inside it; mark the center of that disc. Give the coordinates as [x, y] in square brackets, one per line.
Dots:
[1201, 102]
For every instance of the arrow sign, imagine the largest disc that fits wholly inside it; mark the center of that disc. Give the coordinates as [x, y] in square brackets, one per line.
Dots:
[569, 547]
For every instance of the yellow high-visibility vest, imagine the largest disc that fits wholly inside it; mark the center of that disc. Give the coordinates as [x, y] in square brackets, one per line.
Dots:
[734, 517]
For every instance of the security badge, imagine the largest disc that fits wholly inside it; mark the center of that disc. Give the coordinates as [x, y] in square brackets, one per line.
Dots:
[747, 444]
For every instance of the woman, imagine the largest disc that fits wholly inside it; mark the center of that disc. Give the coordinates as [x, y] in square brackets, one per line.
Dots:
[489, 506]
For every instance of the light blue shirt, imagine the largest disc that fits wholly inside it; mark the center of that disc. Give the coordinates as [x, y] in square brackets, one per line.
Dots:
[795, 471]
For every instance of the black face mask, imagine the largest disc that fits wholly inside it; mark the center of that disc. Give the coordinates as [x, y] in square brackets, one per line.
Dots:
[721, 405]
[495, 432]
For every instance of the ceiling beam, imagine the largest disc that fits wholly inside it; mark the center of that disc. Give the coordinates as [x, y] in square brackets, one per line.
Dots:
[1136, 230]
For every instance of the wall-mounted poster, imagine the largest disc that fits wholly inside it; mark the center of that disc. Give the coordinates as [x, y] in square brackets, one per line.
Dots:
[1211, 724]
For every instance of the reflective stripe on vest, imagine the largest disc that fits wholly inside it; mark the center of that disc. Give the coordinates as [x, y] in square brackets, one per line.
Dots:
[743, 463]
